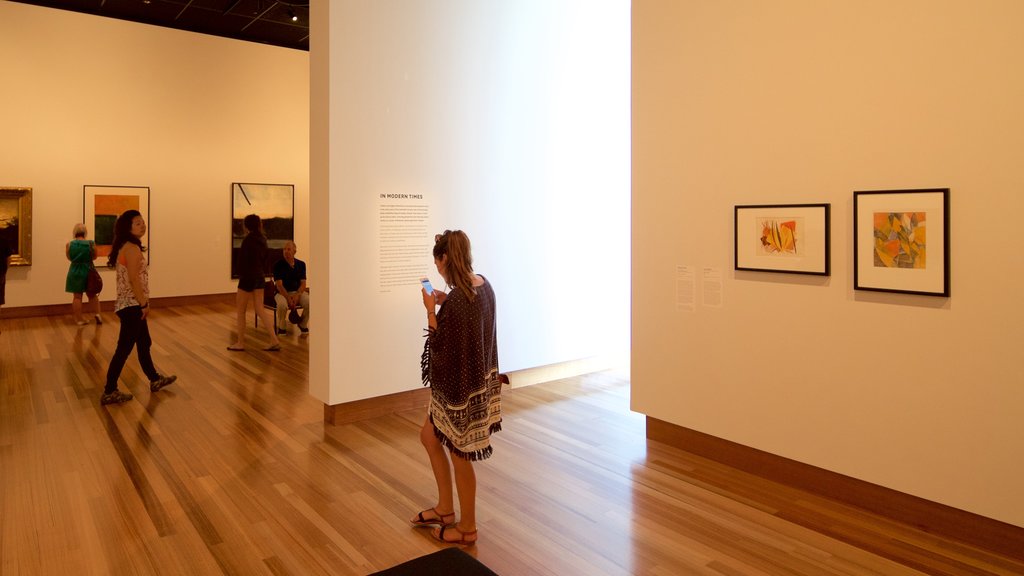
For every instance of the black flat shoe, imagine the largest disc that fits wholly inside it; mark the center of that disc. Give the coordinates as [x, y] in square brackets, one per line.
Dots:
[435, 518]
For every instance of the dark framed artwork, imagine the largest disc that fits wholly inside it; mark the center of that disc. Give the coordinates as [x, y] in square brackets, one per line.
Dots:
[791, 238]
[16, 223]
[102, 206]
[901, 241]
[275, 205]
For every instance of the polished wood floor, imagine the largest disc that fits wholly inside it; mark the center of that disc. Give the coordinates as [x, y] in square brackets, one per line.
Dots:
[232, 471]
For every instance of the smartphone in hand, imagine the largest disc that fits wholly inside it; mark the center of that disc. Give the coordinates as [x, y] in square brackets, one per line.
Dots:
[426, 285]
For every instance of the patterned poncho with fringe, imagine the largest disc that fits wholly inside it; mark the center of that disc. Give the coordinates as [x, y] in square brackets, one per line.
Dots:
[460, 363]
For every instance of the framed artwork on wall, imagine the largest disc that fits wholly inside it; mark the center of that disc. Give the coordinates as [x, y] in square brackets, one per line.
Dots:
[102, 206]
[16, 223]
[791, 238]
[275, 205]
[901, 241]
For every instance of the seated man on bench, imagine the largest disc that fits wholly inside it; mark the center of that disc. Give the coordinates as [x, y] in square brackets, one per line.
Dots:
[290, 280]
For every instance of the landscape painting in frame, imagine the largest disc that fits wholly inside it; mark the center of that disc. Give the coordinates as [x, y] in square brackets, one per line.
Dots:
[901, 241]
[16, 223]
[792, 238]
[275, 205]
[102, 206]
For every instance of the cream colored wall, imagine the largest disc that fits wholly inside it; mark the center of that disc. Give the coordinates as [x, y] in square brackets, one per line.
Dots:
[91, 100]
[749, 102]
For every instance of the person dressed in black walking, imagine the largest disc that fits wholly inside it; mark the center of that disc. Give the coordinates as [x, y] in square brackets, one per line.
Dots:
[251, 278]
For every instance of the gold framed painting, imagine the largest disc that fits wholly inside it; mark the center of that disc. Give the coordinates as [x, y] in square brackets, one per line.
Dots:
[16, 223]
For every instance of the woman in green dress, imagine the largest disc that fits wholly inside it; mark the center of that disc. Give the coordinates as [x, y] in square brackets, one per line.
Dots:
[81, 253]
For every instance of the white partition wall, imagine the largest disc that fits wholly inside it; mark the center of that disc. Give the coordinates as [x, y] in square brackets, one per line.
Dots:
[509, 120]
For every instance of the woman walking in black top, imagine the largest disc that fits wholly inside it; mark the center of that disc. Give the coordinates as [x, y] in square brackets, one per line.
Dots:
[251, 278]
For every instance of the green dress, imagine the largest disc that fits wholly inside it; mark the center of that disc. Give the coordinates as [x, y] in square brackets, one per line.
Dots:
[80, 253]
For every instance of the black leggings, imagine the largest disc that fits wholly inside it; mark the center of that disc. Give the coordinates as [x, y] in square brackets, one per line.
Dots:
[134, 334]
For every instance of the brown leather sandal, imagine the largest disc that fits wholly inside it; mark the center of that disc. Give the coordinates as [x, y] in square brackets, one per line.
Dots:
[461, 541]
[437, 520]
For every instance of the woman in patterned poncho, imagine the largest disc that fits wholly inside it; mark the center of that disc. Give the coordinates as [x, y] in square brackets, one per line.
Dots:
[460, 363]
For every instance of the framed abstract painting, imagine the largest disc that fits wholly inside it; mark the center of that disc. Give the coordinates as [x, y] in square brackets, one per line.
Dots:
[901, 241]
[102, 206]
[275, 205]
[791, 238]
[16, 223]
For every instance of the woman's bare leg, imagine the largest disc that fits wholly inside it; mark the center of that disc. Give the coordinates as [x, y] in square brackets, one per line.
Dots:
[465, 483]
[76, 307]
[464, 530]
[241, 302]
[442, 470]
[95, 299]
[265, 317]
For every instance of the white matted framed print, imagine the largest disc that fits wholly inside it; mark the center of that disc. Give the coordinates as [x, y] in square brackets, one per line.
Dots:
[792, 238]
[102, 206]
[901, 241]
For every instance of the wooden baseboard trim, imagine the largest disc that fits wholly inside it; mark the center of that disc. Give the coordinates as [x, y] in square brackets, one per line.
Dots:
[993, 535]
[108, 305]
[347, 412]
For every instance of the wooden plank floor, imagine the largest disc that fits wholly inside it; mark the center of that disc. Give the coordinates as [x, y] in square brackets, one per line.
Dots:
[231, 471]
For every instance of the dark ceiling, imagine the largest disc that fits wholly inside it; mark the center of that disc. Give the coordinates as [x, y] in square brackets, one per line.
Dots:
[265, 21]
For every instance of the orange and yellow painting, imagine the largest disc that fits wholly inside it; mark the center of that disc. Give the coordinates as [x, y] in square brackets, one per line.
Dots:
[107, 208]
[779, 236]
[900, 239]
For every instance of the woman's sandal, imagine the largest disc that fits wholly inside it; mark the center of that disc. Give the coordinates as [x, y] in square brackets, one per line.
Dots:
[461, 541]
[437, 520]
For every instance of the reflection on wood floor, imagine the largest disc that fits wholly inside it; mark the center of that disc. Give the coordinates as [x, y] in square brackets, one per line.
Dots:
[231, 471]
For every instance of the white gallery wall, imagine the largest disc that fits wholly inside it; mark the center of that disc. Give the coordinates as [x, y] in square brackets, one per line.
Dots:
[509, 120]
[749, 102]
[99, 101]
